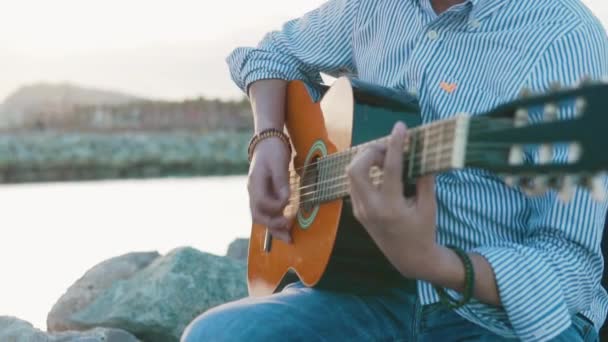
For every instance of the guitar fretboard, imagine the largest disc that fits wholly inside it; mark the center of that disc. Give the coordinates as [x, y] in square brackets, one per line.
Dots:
[431, 148]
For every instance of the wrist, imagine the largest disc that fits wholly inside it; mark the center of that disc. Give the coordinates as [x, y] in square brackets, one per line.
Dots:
[446, 269]
[267, 134]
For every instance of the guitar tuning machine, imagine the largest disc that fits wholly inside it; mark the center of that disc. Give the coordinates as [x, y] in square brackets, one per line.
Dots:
[555, 86]
[551, 112]
[580, 106]
[540, 185]
[568, 187]
[525, 93]
[596, 186]
[522, 117]
[516, 155]
[575, 150]
[545, 153]
[585, 80]
[511, 181]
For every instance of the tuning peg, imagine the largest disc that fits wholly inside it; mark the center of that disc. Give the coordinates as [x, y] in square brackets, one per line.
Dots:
[540, 185]
[545, 154]
[521, 117]
[525, 93]
[567, 188]
[554, 182]
[551, 111]
[580, 106]
[532, 186]
[585, 80]
[598, 190]
[511, 180]
[555, 86]
[574, 153]
[516, 155]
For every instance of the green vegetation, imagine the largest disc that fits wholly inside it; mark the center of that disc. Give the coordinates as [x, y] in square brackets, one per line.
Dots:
[56, 157]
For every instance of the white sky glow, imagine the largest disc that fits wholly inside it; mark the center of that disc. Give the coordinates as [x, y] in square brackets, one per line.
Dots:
[157, 48]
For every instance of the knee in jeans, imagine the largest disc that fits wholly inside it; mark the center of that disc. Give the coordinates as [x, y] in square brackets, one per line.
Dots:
[207, 327]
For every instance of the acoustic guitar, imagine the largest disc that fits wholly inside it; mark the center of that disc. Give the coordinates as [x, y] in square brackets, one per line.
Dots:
[331, 249]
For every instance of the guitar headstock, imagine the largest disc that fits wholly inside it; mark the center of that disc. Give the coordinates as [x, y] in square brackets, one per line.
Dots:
[557, 140]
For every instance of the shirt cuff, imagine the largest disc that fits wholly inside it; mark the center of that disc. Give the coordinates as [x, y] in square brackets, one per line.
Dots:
[529, 290]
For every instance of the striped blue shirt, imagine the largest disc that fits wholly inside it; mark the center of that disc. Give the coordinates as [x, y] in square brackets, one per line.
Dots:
[545, 254]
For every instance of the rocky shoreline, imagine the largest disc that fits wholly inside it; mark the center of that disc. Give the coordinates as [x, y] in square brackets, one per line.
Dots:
[140, 296]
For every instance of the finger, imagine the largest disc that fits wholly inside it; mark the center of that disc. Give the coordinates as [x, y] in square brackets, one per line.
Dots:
[393, 162]
[280, 184]
[426, 201]
[264, 197]
[278, 223]
[358, 170]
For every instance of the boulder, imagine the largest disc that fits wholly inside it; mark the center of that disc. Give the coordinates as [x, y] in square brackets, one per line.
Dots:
[15, 330]
[94, 282]
[238, 249]
[157, 303]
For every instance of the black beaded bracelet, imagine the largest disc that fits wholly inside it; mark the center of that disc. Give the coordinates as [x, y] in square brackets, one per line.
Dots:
[469, 285]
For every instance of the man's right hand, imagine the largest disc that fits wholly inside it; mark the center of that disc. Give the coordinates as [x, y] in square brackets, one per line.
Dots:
[268, 187]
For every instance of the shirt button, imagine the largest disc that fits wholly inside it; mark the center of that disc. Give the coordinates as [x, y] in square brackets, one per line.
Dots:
[475, 23]
[432, 35]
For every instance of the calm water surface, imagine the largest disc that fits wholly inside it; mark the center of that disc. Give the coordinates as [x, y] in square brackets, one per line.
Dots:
[51, 234]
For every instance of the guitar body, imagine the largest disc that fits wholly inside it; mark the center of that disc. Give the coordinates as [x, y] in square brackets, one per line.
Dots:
[330, 248]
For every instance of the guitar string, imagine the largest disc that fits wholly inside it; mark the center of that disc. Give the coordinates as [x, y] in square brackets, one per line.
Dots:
[342, 177]
[375, 177]
[414, 130]
[338, 167]
[298, 194]
[338, 191]
[294, 173]
[332, 169]
[352, 151]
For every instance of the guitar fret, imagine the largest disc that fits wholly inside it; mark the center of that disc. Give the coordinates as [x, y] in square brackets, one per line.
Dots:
[430, 148]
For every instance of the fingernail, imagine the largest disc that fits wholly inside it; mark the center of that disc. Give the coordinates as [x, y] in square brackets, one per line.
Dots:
[399, 128]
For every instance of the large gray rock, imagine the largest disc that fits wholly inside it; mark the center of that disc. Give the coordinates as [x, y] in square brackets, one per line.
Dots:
[94, 282]
[238, 249]
[157, 303]
[15, 330]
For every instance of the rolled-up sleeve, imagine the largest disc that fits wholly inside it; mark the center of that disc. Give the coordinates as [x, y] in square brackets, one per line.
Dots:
[554, 273]
[320, 41]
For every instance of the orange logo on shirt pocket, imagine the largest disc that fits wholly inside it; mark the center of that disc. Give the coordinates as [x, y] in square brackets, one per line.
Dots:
[448, 87]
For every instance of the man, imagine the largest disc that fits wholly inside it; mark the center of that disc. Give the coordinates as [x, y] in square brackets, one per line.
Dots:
[537, 261]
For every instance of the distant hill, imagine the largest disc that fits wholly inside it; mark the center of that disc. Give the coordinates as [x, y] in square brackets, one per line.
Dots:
[46, 97]
[71, 108]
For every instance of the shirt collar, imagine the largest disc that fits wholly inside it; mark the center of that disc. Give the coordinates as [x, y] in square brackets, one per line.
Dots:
[483, 8]
[479, 8]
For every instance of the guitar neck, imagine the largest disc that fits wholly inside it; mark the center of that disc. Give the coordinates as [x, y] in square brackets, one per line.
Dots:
[431, 148]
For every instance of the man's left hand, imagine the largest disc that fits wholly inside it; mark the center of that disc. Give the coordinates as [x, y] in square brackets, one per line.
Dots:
[404, 228]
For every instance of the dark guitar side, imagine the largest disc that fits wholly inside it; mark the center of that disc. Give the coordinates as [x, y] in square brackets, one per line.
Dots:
[335, 251]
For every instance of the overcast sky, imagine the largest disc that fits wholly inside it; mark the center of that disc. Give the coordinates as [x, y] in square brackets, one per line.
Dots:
[164, 49]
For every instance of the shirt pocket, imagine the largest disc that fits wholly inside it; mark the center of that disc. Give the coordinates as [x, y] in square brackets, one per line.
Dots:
[450, 96]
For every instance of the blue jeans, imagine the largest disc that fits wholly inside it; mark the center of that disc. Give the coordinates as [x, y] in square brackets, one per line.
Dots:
[299, 313]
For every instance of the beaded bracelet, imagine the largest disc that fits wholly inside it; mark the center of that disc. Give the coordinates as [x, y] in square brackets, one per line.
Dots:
[469, 285]
[265, 134]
